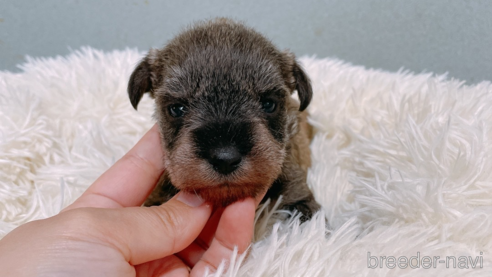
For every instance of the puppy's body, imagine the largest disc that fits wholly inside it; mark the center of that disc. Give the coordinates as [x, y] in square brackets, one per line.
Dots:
[229, 126]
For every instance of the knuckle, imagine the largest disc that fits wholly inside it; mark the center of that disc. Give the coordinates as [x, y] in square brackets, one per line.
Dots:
[141, 163]
[78, 220]
[170, 219]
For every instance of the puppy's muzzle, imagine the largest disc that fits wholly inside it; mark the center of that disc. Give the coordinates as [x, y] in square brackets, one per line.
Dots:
[224, 145]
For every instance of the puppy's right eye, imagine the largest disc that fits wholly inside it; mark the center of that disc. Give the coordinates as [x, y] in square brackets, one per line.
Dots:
[177, 110]
[268, 106]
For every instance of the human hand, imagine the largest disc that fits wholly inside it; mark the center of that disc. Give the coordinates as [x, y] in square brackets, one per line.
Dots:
[106, 233]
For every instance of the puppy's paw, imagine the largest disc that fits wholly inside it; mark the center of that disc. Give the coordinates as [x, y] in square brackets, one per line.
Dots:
[307, 208]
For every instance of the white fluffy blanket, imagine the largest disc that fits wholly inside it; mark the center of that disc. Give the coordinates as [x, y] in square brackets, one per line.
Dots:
[402, 163]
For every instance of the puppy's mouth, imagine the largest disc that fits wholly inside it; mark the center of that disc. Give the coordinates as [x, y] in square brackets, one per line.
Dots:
[224, 194]
[223, 186]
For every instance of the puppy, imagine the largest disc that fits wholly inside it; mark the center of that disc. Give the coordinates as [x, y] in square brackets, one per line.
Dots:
[229, 126]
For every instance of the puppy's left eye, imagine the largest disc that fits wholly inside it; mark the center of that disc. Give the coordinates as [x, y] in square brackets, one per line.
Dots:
[177, 110]
[268, 106]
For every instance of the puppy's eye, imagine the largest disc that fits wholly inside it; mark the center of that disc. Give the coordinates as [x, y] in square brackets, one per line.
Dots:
[268, 106]
[177, 110]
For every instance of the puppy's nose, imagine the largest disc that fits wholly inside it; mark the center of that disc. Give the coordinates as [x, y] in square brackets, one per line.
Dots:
[225, 159]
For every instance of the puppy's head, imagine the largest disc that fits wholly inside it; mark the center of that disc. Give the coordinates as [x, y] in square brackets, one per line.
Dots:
[224, 108]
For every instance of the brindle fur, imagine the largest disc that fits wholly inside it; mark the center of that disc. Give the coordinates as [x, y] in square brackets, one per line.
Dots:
[221, 71]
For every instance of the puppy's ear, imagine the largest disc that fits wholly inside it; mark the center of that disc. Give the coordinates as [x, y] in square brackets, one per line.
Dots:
[140, 82]
[303, 86]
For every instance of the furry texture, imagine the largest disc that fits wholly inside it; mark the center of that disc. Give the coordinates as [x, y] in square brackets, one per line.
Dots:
[401, 162]
[229, 126]
[211, 84]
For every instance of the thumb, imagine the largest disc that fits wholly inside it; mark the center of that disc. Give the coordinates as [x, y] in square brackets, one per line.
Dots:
[143, 234]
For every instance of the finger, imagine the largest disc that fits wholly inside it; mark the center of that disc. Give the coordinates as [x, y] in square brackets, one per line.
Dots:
[206, 236]
[193, 253]
[170, 266]
[235, 229]
[130, 180]
[143, 234]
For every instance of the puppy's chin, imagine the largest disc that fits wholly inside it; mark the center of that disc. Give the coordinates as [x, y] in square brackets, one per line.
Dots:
[220, 190]
[227, 193]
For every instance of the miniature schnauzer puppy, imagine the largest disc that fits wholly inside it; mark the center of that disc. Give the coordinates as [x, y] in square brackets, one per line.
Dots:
[229, 126]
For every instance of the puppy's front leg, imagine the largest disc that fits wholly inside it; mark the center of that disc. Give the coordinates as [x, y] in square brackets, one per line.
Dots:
[163, 191]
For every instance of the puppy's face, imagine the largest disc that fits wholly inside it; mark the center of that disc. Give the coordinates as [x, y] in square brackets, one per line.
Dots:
[225, 114]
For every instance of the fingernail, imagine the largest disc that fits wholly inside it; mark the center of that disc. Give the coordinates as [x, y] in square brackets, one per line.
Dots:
[189, 199]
